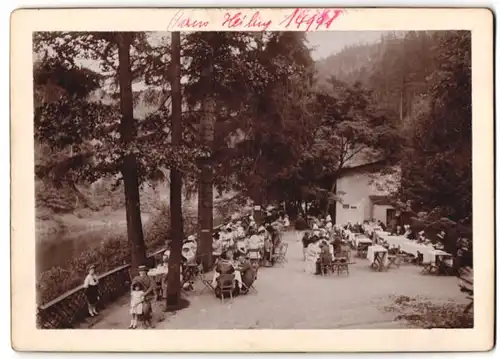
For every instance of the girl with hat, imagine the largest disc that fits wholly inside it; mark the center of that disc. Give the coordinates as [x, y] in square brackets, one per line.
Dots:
[136, 304]
[91, 290]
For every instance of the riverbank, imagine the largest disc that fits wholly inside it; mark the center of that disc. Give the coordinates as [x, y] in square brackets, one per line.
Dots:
[66, 236]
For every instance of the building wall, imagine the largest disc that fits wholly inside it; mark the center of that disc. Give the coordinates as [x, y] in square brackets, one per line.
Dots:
[380, 212]
[357, 189]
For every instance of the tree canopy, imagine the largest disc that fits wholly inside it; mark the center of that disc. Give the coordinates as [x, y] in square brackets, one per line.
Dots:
[284, 125]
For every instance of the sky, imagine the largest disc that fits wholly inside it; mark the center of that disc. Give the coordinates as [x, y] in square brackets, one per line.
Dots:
[326, 43]
[322, 44]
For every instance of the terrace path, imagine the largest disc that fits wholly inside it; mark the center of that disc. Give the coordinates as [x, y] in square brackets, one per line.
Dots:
[289, 298]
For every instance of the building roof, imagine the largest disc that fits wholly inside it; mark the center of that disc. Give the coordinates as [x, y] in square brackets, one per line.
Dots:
[381, 200]
[366, 167]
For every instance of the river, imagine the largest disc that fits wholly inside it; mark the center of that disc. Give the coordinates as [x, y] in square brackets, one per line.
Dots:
[62, 246]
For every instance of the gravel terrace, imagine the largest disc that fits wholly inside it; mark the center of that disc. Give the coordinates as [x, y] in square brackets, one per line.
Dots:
[288, 298]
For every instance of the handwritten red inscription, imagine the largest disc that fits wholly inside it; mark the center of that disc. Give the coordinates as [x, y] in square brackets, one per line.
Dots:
[255, 21]
[180, 20]
[307, 18]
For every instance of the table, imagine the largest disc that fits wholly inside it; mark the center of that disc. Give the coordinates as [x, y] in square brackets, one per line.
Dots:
[161, 270]
[361, 244]
[443, 256]
[371, 228]
[361, 240]
[412, 247]
[377, 255]
[157, 275]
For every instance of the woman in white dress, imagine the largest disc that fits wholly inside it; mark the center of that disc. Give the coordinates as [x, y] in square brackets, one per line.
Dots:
[312, 255]
[253, 247]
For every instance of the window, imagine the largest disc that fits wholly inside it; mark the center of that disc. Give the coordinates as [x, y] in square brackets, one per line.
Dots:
[345, 206]
[354, 207]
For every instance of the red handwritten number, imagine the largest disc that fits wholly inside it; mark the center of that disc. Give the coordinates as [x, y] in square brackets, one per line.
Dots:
[326, 14]
[302, 17]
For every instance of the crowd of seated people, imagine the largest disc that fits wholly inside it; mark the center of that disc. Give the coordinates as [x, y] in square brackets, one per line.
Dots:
[242, 247]
[322, 245]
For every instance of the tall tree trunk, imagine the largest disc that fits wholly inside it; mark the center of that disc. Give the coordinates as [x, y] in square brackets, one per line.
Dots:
[401, 102]
[206, 176]
[177, 231]
[128, 132]
[200, 205]
[256, 191]
[333, 190]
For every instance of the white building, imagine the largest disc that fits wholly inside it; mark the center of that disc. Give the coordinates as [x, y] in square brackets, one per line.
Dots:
[364, 193]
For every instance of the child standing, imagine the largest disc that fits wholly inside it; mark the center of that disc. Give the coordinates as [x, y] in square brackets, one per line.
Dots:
[136, 301]
[91, 285]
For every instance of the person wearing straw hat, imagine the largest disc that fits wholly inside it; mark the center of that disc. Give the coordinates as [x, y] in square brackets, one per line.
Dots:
[148, 286]
[91, 285]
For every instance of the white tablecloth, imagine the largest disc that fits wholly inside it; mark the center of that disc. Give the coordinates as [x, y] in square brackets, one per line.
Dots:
[412, 247]
[348, 234]
[369, 228]
[157, 271]
[376, 249]
[361, 240]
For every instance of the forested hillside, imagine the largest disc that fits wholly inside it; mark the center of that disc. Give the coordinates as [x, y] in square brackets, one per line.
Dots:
[423, 78]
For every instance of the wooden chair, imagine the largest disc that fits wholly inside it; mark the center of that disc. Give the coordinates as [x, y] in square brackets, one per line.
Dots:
[362, 250]
[420, 258]
[225, 286]
[280, 255]
[189, 275]
[442, 267]
[326, 267]
[393, 259]
[341, 265]
[249, 288]
[428, 268]
[378, 262]
[207, 283]
[346, 251]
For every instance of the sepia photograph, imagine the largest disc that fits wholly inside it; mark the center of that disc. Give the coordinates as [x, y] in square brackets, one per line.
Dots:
[256, 180]
[253, 180]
